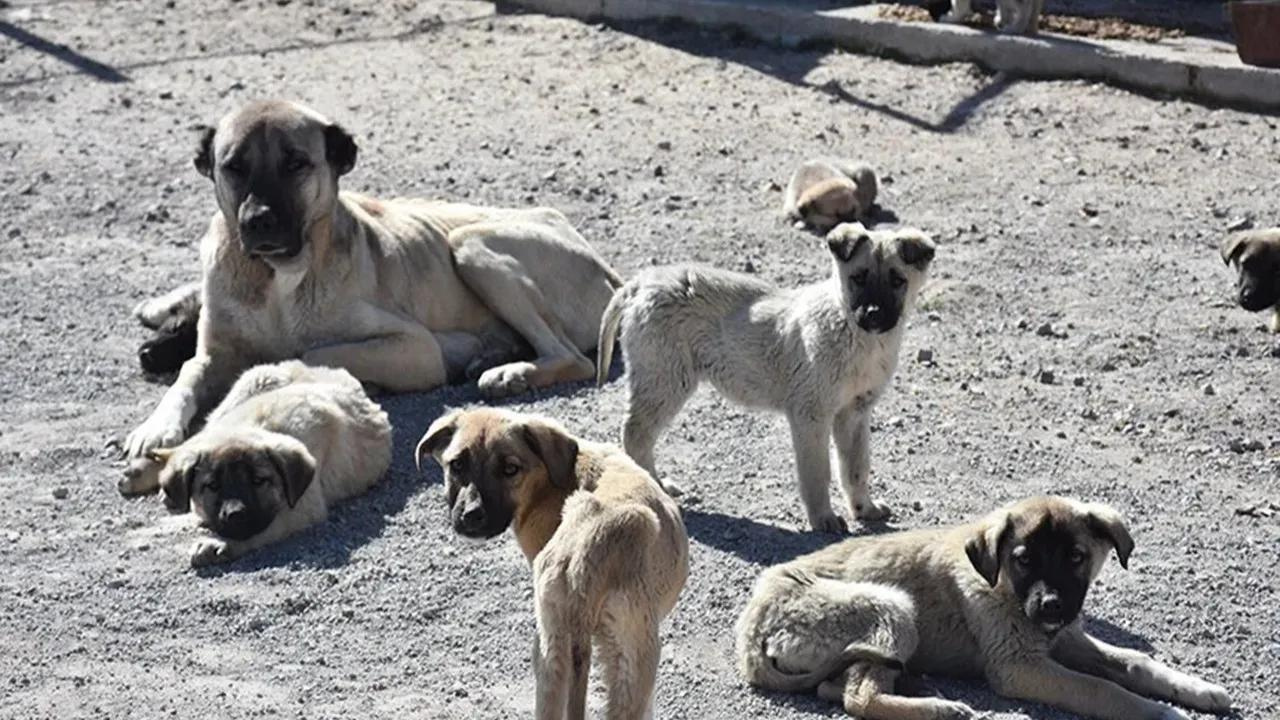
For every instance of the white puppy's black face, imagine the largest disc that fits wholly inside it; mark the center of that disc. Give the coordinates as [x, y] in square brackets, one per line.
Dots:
[879, 271]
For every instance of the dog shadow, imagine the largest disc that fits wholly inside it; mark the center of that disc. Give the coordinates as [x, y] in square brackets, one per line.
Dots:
[759, 543]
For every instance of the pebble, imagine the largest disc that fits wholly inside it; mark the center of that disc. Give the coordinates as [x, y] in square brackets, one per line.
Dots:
[1243, 223]
[1209, 391]
[61, 493]
[1045, 377]
[1244, 445]
[917, 505]
[1049, 330]
[925, 355]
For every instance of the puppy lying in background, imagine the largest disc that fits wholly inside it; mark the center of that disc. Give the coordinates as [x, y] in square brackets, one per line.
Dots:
[821, 354]
[608, 548]
[174, 317]
[824, 193]
[1012, 16]
[288, 441]
[1256, 255]
[999, 598]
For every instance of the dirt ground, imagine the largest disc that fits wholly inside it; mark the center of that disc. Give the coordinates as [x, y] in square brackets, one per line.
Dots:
[1077, 228]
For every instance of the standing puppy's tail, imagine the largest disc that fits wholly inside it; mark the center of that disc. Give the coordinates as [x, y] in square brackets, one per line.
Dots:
[609, 323]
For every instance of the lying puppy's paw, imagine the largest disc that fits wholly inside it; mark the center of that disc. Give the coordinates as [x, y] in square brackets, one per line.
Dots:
[1207, 697]
[1173, 713]
[830, 523]
[872, 510]
[210, 551]
[142, 475]
[951, 710]
[506, 380]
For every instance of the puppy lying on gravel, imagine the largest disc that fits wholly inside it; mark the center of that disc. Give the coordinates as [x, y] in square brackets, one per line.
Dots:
[824, 193]
[288, 441]
[608, 548]
[999, 598]
[821, 354]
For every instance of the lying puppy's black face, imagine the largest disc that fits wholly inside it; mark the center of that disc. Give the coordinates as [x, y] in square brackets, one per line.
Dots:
[173, 345]
[1256, 255]
[1046, 552]
[497, 466]
[237, 490]
[879, 272]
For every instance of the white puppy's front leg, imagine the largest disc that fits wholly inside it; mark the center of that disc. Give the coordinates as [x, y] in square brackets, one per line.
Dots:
[810, 437]
[853, 448]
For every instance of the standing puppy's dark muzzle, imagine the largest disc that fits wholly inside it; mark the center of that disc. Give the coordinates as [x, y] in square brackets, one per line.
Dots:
[876, 309]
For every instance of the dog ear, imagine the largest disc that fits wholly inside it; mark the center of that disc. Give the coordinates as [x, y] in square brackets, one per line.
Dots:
[296, 469]
[340, 149]
[1107, 524]
[845, 239]
[181, 474]
[204, 151]
[916, 249]
[1231, 246]
[436, 438]
[558, 451]
[985, 546]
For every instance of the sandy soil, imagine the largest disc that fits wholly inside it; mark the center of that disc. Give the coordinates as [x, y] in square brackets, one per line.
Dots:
[1075, 205]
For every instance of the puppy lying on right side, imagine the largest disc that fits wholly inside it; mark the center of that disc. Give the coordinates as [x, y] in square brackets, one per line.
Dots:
[822, 354]
[999, 598]
[824, 193]
[1256, 255]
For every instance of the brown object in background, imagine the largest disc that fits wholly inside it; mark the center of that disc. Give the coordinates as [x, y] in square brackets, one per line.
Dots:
[1256, 26]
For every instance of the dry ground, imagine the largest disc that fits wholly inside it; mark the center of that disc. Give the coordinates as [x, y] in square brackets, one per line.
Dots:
[1073, 204]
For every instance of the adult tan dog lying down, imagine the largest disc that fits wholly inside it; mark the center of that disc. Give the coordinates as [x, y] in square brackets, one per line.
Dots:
[404, 294]
[1000, 598]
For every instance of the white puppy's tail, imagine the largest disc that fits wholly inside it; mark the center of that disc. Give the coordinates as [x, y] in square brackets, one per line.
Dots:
[609, 323]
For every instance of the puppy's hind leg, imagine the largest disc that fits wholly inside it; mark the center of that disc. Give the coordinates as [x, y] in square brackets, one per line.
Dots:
[866, 690]
[661, 382]
[630, 664]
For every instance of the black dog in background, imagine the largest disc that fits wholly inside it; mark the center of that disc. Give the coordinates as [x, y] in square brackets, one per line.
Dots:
[173, 317]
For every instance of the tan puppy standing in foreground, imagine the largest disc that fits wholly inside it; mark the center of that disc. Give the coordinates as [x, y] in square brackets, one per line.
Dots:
[607, 545]
[1000, 598]
[287, 442]
[824, 193]
[822, 354]
[404, 294]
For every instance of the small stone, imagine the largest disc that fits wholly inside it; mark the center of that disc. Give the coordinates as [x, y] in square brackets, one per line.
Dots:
[1244, 445]
[1089, 414]
[1172, 412]
[1045, 377]
[937, 317]
[924, 356]
[1078, 381]
[549, 175]
[1089, 210]
[60, 493]
[1243, 223]
[664, 145]
[659, 171]
[1209, 391]
[1023, 323]
[166, 95]
[1108, 366]
[917, 505]
[749, 267]
[1049, 330]
[458, 690]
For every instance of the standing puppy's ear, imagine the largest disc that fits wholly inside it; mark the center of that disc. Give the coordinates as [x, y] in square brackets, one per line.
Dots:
[1107, 524]
[339, 149]
[296, 469]
[204, 151]
[436, 438]
[1231, 246]
[558, 451]
[845, 239]
[916, 249]
[985, 546]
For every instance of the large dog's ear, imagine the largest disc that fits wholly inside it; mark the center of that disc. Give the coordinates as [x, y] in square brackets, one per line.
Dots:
[340, 149]
[916, 248]
[436, 438]
[985, 546]
[204, 151]
[558, 451]
[1231, 246]
[846, 239]
[1107, 524]
[296, 469]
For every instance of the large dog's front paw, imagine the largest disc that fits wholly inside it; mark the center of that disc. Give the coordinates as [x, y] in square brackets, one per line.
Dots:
[506, 380]
[829, 522]
[210, 551]
[142, 475]
[155, 433]
[871, 510]
[1207, 697]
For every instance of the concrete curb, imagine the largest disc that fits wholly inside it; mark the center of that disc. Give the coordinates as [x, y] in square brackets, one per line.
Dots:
[1201, 69]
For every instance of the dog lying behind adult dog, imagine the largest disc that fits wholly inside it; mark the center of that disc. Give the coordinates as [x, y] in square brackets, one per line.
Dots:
[173, 317]
[287, 442]
[822, 354]
[999, 598]
[608, 548]
[1256, 255]
[404, 294]
[824, 193]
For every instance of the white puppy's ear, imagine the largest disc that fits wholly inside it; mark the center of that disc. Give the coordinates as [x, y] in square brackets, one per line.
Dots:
[846, 239]
[558, 451]
[437, 437]
[984, 548]
[916, 248]
[1107, 524]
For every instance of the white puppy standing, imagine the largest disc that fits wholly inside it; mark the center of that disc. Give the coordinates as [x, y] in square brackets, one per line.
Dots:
[821, 354]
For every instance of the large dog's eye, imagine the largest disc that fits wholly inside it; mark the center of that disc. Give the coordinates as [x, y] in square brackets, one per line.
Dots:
[859, 278]
[213, 486]
[233, 167]
[297, 163]
[1077, 556]
[510, 469]
[1021, 556]
[458, 465]
[259, 481]
[896, 280]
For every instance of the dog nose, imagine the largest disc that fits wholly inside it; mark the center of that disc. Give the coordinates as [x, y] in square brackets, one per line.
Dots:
[1051, 604]
[259, 219]
[473, 517]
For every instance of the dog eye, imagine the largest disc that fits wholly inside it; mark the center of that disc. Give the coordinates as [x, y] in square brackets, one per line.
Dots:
[510, 469]
[233, 167]
[458, 465]
[897, 280]
[259, 481]
[1021, 556]
[859, 278]
[1076, 556]
[213, 487]
[297, 163]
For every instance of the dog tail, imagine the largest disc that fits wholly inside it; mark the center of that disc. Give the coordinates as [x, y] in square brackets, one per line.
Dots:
[769, 675]
[609, 323]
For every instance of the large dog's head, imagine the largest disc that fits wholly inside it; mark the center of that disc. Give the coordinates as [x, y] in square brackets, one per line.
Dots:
[1046, 551]
[237, 486]
[880, 271]
[1256, 255]
[498, 465]
[275, 167]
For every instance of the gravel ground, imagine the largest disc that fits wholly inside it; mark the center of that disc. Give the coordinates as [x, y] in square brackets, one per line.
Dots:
[1077, 228]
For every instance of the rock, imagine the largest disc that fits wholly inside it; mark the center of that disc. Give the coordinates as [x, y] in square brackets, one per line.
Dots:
[664, 145]
[1089, 414]
[1051, 330]
[917, 505]
[1260, 509]
[1244, 445]
[1088, 210]
[1243, 223]
[749, 267]
[1208, 390]
[1108, 366]
[1078, 381]
[659, 171]
[924, 356]
[1045, 377]
[61, 493]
